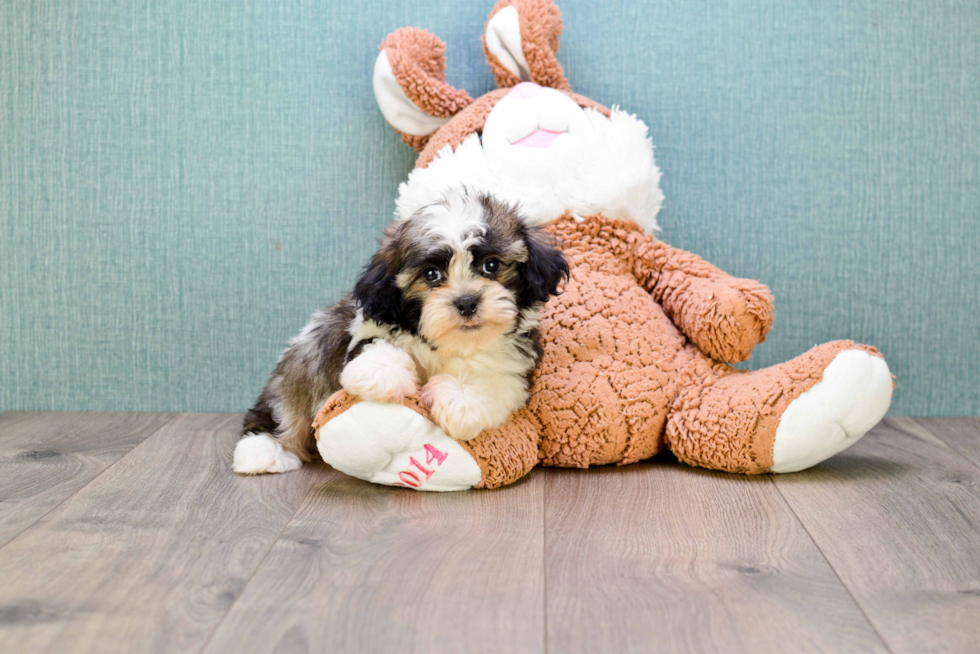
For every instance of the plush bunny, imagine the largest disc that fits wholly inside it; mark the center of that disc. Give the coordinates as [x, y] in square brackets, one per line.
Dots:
[637, 346]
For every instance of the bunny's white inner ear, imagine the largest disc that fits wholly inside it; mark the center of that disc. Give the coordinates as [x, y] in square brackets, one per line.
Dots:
[504, 42]
[395, 106]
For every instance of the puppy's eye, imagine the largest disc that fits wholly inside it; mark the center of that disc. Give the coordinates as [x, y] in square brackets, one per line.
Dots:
[490, 267]
[432, 275]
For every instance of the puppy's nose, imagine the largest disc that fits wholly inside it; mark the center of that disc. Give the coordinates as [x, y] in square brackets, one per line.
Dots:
[467, 305]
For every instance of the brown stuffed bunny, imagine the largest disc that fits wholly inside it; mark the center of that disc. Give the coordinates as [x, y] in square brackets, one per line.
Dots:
[635, 347]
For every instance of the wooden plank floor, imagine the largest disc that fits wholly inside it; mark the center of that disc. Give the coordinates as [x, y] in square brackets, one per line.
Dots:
[128, 533]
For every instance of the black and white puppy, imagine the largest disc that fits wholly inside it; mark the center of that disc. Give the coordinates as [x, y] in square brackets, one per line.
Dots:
[449, 302]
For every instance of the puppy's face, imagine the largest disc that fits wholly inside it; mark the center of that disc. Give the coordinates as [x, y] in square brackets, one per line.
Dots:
[460, 273]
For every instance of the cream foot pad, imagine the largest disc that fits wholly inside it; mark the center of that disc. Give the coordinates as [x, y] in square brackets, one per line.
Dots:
[852, 397]
[392, 445]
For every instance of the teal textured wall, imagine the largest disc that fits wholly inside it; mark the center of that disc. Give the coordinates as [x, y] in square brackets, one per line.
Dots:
[183, 183]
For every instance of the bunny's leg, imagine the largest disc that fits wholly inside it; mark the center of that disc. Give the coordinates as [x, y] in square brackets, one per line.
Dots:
[397, 445]
[785, 418]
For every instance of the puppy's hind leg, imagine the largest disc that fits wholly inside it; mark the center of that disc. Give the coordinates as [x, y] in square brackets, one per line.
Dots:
[259, 452]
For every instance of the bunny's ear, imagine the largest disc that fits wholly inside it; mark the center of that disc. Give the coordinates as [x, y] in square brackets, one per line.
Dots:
[520, 41]
[410, 85]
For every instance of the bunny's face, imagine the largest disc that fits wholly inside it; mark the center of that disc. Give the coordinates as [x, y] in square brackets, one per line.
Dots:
[532, 142]
[533, 127]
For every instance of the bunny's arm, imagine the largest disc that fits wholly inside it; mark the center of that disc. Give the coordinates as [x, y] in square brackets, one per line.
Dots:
[723, 315]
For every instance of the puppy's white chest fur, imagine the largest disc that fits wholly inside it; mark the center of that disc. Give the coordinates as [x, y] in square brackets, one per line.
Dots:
[500, 357]
[467, 390]
[473, 391]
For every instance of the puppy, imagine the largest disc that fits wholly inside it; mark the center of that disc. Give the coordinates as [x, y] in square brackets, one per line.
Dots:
[450, 302]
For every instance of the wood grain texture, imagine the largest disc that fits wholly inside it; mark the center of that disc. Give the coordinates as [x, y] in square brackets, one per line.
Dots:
[898, 517]
[363, 568]
[961, 434]
[148, 556]
[660, 557]
[165, 550]
[45, 457]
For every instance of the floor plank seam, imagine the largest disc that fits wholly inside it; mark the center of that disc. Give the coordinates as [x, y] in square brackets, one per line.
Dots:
[86, 484]
[951, 446]
[544, 553]
[830, 565]
[258, 567]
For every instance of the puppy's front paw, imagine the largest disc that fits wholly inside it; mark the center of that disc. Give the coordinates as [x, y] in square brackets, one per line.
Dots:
[460, 409]
[381, 373]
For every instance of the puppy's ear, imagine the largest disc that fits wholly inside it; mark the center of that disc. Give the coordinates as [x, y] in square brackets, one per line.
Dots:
[376, 293]
[544, 269]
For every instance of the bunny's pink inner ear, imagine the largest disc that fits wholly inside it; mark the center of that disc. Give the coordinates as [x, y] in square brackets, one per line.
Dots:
[410, 85]
[502, 46]
[520, 41]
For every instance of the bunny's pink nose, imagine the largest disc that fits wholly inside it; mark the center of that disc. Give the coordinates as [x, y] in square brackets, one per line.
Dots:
[526, 90]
